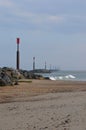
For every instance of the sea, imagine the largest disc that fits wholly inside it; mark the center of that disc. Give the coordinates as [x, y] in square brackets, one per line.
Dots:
[66, 75]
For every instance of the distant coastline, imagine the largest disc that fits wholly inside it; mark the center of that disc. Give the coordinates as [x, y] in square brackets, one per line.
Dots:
[43, 71]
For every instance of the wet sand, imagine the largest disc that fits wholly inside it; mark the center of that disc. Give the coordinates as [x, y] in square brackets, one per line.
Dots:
[43, 105]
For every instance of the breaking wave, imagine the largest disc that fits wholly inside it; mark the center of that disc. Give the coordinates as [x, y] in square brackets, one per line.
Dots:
[62, 77]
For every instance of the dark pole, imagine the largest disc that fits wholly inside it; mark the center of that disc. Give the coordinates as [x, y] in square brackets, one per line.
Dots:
[33, 63]
[45, 65]
[17, 58]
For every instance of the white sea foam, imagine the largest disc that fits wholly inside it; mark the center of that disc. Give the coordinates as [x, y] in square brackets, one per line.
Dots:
[52, 78]
[67, 75]
[60, 77]
[70, 76]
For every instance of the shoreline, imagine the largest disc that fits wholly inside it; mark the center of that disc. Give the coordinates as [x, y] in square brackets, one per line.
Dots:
[24, 91]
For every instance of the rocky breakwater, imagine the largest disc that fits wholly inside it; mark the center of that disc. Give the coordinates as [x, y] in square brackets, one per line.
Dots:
[30, 74]
[10, 76]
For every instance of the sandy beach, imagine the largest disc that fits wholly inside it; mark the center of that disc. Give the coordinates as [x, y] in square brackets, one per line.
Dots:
[43, 105]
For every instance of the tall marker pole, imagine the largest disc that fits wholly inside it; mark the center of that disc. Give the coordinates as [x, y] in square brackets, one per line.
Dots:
[17, 57]
[45, 65]
[33, 63]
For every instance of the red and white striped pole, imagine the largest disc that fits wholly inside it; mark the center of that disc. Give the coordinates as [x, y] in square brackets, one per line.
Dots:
[18, 56]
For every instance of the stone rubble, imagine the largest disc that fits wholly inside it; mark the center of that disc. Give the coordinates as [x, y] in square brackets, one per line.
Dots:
[10, 76]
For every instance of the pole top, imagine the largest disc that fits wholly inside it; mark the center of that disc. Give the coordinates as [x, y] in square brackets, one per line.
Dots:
[18, 40]
[33, 58]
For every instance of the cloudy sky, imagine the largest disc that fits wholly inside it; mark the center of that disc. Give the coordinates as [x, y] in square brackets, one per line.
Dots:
[51, 30]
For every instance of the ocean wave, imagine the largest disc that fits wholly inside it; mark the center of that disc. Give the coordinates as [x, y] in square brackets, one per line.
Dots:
[52, 78]
[70, 76]
[62, 77]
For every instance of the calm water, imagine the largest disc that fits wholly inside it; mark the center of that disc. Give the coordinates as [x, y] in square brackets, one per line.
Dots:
[68, 75]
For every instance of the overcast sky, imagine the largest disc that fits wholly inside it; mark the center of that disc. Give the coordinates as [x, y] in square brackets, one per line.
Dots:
[51, 30]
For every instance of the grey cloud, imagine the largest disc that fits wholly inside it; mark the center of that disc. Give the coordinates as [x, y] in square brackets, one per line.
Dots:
[57, 15]
[56, 6]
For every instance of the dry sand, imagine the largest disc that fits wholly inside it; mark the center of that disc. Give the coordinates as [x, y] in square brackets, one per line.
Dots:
[43, 105]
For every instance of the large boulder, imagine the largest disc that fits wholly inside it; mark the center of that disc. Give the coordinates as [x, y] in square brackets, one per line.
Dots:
[9, 76]
[5, 79]
[14, 74]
